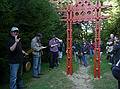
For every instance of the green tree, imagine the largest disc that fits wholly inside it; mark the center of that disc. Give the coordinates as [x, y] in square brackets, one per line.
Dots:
[30, 16]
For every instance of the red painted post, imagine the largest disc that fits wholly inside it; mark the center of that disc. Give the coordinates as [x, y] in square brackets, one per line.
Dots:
[69, 41]
[97, 41]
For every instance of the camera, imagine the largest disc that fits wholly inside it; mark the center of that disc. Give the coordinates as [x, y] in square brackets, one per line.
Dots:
[18, 36]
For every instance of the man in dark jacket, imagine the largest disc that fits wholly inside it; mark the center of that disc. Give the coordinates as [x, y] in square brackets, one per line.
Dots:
[116, 66]
[116, 52]
[116, 72]
[16, 58]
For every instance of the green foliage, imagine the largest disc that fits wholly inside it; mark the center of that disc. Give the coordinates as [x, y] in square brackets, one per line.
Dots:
[4, 70]
[112, 25]
[30, 16]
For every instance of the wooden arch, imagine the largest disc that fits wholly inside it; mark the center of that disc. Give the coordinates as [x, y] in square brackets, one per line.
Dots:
[84, 10]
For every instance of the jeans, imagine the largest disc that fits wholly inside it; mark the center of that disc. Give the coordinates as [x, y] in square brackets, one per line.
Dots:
[16, 81]
[76, 56]
[84, 59]
[36, 65]
[60, 54]
[91, 52]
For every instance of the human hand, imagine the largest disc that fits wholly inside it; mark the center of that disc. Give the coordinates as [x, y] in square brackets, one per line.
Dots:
[17, 39]
[54, 45]
[43, 47]
[81, 53]
[26, 54]
[58, 39]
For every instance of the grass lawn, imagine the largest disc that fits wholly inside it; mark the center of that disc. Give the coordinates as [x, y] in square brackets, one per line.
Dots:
[52, 79]
[56, 78]
[107, 81]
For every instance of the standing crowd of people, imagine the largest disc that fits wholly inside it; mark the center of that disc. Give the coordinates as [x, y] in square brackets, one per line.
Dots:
[81, 50]
[16, 56]
[113, 55]
[56, 47]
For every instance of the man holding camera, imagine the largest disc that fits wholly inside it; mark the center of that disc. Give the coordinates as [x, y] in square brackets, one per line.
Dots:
[16, 59]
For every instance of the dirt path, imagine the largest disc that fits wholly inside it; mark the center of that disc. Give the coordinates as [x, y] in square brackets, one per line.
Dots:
[81, 79]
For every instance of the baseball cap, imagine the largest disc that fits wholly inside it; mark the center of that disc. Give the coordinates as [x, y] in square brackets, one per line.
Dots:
[14, 29]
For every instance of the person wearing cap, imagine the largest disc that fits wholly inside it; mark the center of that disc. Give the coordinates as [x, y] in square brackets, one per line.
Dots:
[37, 51]
[16, 59]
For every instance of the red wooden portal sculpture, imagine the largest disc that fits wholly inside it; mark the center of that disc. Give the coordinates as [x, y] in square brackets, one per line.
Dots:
[84, 10]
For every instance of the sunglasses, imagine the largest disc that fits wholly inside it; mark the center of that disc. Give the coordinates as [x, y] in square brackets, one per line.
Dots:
[15, 31]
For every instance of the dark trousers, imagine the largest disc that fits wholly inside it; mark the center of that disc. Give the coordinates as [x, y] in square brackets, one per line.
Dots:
[54, 59]
[118, 84]
[116, 74]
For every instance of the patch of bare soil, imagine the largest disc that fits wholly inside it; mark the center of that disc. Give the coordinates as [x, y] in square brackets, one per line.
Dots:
[81, 79]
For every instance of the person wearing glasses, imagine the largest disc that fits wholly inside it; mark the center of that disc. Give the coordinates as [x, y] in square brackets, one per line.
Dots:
[16, 59]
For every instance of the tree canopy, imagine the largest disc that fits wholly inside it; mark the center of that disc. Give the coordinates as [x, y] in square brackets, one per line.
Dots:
[33, 16]
[30, 16]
